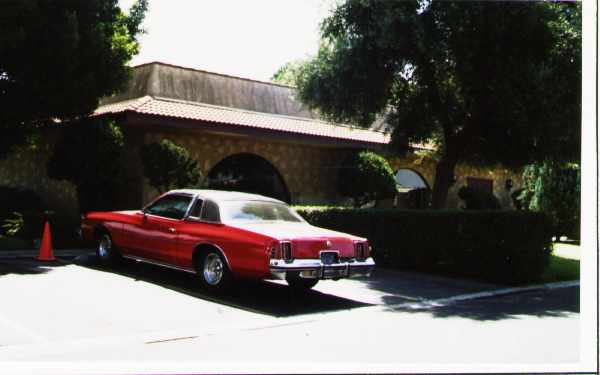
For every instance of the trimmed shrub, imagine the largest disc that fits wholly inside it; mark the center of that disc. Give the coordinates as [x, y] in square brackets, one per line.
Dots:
[63, 228]
[477, 199]
[365, 177]
[169, 166]
[508, 247]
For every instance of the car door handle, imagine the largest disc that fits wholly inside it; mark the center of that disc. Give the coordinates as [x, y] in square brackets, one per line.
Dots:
[171, 230]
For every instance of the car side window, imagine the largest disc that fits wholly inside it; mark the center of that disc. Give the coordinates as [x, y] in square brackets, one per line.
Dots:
[196, 208]
[170, 206]
[210, 212]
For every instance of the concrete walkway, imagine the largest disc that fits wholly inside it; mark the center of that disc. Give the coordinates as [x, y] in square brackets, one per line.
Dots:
[568, 251]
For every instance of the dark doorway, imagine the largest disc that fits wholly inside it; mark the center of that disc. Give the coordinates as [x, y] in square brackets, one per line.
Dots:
[248, 173]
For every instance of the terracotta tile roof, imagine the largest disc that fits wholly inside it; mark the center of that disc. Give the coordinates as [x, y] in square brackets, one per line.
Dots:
[160, 106]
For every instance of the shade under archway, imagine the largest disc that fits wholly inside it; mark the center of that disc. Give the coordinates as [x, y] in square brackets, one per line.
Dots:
[248, 173]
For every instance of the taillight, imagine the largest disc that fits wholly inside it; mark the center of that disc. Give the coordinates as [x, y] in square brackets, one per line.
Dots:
[360, 250]
[286, 250]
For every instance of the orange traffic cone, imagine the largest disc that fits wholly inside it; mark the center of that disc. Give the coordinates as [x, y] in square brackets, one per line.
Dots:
[46, 246]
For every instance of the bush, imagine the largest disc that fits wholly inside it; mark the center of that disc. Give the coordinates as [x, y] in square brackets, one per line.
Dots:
[555, 190]
[477, 199]
[365, 177]
[30, 212]
[62, 228]
[509, 247]
[89, 156]
[169, 166]
[17, 200]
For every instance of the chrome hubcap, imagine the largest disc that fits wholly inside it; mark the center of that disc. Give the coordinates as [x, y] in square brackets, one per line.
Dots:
[213, 269]
[104, 246]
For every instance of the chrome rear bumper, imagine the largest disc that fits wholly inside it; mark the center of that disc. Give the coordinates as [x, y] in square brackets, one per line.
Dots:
[315, 269]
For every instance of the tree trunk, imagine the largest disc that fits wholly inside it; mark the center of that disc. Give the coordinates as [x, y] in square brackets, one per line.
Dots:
[444, 178]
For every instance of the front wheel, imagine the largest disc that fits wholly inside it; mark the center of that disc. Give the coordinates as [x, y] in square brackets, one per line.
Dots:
[106, 251]
[214, 272]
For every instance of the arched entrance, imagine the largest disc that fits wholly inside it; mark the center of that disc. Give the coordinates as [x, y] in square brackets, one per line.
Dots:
[248, 173]
[414, 191]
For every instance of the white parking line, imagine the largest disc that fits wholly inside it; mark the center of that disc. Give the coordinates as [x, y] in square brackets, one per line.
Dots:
[494, 293]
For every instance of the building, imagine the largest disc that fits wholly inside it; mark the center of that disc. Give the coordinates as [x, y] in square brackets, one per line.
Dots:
[242, 131]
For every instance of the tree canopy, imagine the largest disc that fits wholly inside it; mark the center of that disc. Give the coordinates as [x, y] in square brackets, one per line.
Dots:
[87, 155]
[286, 75]
[484, 79]
[58, 58]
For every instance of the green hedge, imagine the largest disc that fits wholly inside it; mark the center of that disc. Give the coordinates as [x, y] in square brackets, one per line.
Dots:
[509, 247]
[62, 228]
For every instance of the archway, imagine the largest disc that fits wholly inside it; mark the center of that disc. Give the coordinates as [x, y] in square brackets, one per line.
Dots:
[249, 173]
[414, 191]
[410, 179]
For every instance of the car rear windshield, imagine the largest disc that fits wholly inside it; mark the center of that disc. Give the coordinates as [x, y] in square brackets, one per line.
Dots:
[257, 211]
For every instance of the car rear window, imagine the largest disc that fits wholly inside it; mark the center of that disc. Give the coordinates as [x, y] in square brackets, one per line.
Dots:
[257, 211]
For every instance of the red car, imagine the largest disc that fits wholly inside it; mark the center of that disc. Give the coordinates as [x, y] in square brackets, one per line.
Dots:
[222, 236]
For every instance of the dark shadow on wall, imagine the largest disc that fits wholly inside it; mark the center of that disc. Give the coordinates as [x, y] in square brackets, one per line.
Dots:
[248, 173]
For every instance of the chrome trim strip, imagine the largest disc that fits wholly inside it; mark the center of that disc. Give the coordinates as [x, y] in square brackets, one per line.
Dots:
[156, 263]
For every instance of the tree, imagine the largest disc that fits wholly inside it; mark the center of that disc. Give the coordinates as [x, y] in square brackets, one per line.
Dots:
[478, 78]
[168, 166]
[58, 58]
[286, 75]
[554, 188]
[88, 155]
[365, 177]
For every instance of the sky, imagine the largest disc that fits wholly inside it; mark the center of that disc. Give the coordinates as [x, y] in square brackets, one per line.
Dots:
[250, 39]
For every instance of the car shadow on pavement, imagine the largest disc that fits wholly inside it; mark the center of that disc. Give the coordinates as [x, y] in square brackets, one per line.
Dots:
[545, 303]
[411, 292]
[27, 266]
[259, 297]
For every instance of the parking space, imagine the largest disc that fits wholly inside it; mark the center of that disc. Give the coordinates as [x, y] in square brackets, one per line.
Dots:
[75, 310]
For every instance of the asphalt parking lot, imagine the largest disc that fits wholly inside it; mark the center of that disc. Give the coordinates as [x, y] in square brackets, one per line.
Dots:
[74, 310]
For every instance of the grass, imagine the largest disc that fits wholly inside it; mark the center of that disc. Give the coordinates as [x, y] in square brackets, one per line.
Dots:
[561, 269]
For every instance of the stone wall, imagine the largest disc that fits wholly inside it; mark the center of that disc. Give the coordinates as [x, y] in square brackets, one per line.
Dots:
[309, 172]
[26, 168]
[426, 167]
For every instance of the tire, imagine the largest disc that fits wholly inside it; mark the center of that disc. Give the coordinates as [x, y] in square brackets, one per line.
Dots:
[106, 251]
[214, 273]
[297, 283]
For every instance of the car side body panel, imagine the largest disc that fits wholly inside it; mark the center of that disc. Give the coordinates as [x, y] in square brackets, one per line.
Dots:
[246, 252]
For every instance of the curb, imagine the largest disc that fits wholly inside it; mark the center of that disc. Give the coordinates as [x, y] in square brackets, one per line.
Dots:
[494, 293]
[11, 254]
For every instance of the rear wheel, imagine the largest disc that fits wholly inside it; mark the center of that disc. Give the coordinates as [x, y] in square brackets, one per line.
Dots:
[106, 250]
[214, 272]
[298, 283]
